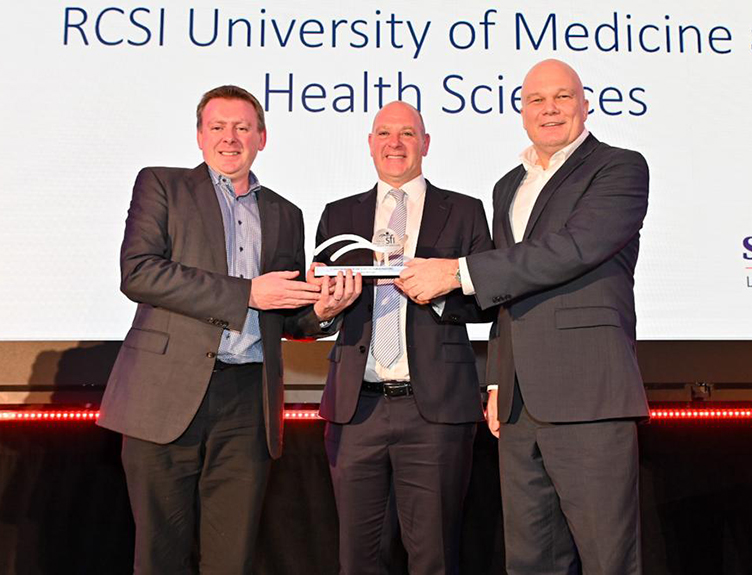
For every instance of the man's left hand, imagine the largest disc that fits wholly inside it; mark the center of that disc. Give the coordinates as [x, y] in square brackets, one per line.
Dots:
[335, 296]
[424, 280]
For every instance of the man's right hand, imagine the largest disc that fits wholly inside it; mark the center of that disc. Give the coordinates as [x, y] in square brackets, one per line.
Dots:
[492, 412]
[279, 290]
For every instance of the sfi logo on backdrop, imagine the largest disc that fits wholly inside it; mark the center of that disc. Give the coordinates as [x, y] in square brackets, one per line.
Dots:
[747, 255]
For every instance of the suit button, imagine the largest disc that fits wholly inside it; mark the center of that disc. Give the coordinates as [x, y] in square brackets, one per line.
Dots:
[211, 354]
[362, 349]
[210, 319]
[496, 299]
[453, 317]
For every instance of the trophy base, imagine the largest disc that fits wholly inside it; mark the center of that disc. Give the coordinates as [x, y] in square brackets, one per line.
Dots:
[365, 271]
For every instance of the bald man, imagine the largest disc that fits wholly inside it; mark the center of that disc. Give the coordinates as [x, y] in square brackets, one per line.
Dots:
[567, 231]
[402, 396]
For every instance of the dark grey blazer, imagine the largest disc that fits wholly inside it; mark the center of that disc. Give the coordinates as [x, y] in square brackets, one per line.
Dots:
[173, 263]
[566, 326]
[440, 357]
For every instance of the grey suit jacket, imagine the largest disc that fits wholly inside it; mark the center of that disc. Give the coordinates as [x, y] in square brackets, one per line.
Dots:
[440, 357]
[566, 325]
[173, 263]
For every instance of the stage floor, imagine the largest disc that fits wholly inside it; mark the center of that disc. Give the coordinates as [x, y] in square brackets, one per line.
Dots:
[64, 506]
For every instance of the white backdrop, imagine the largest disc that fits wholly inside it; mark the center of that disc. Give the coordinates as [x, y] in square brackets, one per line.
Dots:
[93, 91]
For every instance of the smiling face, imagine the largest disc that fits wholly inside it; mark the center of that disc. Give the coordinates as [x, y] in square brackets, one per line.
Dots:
[229, 138]
[554, 108]
[398, 142]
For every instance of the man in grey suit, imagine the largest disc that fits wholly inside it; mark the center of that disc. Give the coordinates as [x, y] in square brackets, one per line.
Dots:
[211, 256]
[566, 228]
[402, 396]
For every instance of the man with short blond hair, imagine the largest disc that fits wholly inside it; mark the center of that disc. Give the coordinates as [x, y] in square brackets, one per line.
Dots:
[211, 257]
[567, 232]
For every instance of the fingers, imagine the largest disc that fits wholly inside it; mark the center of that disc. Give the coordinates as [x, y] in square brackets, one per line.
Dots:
[407, 273]
[286, 274]
[345, 290]
[292, 285]
[339, 286]
[492, 416]
[325, 289]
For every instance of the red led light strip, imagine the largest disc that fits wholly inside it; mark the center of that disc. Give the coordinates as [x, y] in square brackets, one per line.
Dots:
[695, 414]
[23, 415]
[27, 415]
[678, 414]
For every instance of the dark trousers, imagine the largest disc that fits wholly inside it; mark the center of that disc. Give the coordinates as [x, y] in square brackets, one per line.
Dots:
[389, 446]
[570, 496]
[206, 487]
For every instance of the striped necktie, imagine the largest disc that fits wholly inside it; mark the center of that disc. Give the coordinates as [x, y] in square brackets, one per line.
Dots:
[386, 338]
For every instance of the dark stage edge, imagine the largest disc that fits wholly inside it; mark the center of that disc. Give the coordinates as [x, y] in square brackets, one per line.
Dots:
[64, 506]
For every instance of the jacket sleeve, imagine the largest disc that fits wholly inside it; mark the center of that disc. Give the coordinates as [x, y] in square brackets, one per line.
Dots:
[302, 323]
[150, 275]
[607, 216]
[460, 308]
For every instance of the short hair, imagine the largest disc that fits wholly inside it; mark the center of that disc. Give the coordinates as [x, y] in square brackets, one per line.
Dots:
[230, 92]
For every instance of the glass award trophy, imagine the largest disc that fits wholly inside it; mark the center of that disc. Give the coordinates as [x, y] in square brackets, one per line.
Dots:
[384, 242]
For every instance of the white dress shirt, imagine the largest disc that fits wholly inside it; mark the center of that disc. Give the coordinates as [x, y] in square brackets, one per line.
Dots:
[415, 195]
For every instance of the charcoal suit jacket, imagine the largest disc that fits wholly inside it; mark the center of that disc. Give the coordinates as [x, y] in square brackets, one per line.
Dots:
[440, 358]
[566, 325]
[174, 265]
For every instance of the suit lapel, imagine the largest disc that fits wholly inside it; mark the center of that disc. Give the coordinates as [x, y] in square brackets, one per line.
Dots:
[269, 216]
[205, 197]
[506, 204]
[436, 209]
[364, 213]
[574, 161]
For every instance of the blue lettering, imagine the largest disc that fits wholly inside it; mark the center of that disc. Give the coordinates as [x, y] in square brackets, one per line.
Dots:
[78, 26]
[99, 22]
[268, 91]
[192, 36]
[520, 19]
[453, 93]
[453, 40]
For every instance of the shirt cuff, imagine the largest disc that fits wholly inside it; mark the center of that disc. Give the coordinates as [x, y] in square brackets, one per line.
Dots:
[492, 387]
[467, 283]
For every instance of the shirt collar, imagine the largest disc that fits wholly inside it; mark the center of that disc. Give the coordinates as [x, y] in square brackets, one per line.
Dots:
[414, 189]
[223, 182]
[529, 156]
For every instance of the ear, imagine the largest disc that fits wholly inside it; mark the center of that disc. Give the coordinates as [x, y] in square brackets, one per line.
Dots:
[426, 143]
[199, 140]
[262, 142]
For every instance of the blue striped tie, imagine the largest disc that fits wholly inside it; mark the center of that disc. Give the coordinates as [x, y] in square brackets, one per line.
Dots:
[386, 338]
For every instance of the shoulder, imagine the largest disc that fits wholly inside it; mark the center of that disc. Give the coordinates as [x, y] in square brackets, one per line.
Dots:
[461, 200]
[604, 155]
[168, 176]
[271, 196]
[511, 178]
[349, 202]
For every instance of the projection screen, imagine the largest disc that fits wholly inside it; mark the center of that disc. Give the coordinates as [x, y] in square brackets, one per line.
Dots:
[93, 91]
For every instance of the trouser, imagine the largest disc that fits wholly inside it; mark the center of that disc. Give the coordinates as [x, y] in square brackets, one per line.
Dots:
[388, 445]
[197, 501]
